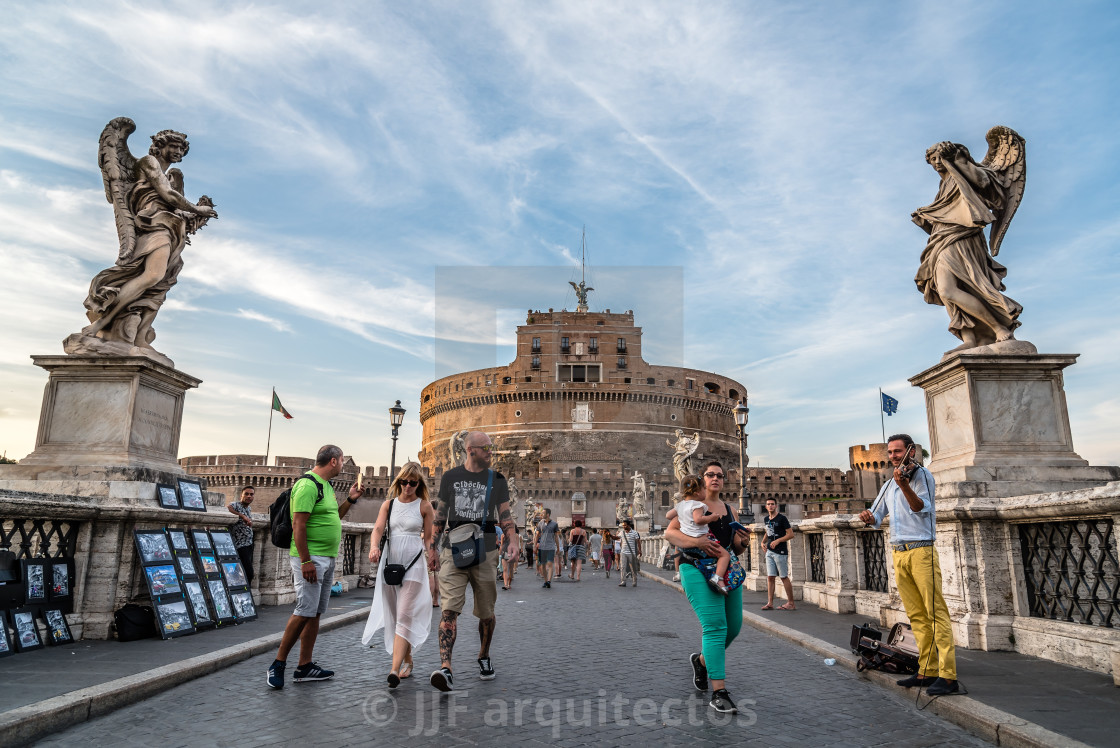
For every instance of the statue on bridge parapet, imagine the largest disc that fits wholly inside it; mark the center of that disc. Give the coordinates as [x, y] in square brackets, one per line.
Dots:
[683, 449]
[154, 223]
[458, 447]
[958, 269]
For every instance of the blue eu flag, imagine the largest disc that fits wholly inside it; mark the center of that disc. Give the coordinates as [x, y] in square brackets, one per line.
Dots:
[890, 405]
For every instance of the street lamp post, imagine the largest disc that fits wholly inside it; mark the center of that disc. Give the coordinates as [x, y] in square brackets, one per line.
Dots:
[652, 497]
[746, 516]
[396, 416]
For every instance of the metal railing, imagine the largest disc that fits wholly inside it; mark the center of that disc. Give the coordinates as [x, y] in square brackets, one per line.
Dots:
[1071, 571]
[39, 538]
[873, 551]
[350, 554]
[816, 558]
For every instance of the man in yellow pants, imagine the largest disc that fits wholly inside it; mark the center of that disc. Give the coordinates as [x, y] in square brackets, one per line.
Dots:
[916, 568]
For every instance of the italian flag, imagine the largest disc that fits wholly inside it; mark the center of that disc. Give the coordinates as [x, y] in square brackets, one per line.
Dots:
[278, 407]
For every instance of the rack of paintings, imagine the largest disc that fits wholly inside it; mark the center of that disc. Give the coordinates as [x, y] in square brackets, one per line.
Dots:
[33, 588]
[195, 578]
[237, 583]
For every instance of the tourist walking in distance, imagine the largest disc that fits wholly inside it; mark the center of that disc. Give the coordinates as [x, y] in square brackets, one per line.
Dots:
[595, 549]
[721, 616]
[470, 496]
[316, 535]
[509, 566]
[577, 551]
[404, 610]
[242, 532]
[908, 498]
[547, 530]
[614, 548]
[631, 544]
[778, 533]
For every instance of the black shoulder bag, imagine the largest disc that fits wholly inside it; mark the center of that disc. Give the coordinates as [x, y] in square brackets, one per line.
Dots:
[393, 574]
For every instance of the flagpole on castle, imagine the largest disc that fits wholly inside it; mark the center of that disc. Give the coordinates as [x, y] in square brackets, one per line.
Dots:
[271, 410]
[882, 421]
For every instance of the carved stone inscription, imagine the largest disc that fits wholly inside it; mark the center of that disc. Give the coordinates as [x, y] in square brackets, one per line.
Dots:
[87, 412]
[953, 418]
[1018, 412]
[153, 420]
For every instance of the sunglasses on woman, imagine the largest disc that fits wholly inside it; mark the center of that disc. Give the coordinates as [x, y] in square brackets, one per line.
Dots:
[413, 483]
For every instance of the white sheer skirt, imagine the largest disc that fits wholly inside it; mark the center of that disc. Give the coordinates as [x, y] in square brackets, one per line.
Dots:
[405, 610]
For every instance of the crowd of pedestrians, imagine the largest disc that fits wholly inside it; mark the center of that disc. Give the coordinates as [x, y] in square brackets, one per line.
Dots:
[428, 552]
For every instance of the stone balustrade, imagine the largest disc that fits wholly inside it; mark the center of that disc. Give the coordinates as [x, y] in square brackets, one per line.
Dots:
[1034, 574]
[107, 571]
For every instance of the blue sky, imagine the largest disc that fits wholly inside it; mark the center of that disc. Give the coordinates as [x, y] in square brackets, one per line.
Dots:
[767, 155]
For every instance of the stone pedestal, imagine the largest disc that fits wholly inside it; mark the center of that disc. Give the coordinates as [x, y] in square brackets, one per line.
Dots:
[108, 430]
[998, 426]
[104, 410]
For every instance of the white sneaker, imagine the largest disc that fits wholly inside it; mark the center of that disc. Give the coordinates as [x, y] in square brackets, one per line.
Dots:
[677, 577]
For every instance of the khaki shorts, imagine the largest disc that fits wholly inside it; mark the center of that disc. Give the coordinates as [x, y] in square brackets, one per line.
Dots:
[482, 578]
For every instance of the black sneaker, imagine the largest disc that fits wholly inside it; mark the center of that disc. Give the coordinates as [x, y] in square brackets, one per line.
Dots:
[699, 672]
[547, 585]
[485, 669]
[276, 674]
[441, 679]
[721, 702]
[942, 687]
[311, 671]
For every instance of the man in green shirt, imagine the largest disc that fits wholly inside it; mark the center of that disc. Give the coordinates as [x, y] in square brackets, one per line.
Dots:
[316, 535]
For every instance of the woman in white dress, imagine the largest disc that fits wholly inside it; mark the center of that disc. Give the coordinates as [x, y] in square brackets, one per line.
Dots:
[405, 611]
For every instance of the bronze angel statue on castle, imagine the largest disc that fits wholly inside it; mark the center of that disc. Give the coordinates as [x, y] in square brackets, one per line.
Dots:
[154, 222]
[958, 268]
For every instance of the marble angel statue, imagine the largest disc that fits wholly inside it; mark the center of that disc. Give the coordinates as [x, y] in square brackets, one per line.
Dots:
[683, 449]
[638, 493]
[958, 269]
[457, 446]
[154, 221]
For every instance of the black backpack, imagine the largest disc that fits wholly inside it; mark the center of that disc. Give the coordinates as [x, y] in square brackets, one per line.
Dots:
[280, 514]
[135, 622]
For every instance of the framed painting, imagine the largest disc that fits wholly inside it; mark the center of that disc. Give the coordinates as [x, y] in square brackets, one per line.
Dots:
[223, 609]
[174, 619]
[190, 493]
[223, 543]
[162, 580]
[209, 564]
[243, 606]
[197, 599]
[234, 574]
[60, 590]
[58, 631]
[168, 496]
[7, 648]
[27, 633]
[201, 541]
[186, 567]
[34, 572]
[179, 542]
[152, 546]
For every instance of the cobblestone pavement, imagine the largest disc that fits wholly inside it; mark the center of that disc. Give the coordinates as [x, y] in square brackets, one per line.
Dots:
[579, 664]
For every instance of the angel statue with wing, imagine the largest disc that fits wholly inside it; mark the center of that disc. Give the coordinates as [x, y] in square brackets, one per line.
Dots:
[154, 222]
[683, 449]
[958, 268]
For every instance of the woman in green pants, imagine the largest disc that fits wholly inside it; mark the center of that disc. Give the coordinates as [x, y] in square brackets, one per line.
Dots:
[721, 617]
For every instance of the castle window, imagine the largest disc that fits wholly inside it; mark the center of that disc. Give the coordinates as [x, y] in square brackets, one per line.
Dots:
[712, 387]
[427, 398]
[536, 345]
[622, 345]
[593, 345]
[622, 364]
[579, 472]
[626, 380]
[670, 383]
[579, 373]
[689, 384]
[506, 380]
[565, 346]
[733, 394]
[536, 363]
[530, 379]
[651, 380]
[517, 413]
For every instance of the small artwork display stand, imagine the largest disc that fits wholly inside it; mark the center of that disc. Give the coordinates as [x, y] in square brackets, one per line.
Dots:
[210, 576]
[161, 573]
[233, 573]
[191, 579]
[190, 494]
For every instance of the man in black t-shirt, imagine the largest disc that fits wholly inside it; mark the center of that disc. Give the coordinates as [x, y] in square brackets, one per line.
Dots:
[778, 533]
[462, 500]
